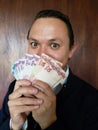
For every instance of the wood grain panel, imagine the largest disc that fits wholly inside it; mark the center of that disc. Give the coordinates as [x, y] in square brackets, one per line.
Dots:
[16, 18]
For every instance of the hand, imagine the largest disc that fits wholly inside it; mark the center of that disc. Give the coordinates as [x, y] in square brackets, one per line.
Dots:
[21, 102]
[45, 115]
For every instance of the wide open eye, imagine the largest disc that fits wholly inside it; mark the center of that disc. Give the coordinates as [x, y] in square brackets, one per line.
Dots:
[55, 45]
[34, 44]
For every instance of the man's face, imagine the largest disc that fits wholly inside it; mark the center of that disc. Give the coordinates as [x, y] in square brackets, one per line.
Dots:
[50, 36]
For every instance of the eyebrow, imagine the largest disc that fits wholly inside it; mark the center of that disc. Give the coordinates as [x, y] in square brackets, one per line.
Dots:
[31, 39]
[52, 39]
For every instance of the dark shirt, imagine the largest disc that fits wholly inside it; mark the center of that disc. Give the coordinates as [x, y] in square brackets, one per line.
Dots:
[77, 107]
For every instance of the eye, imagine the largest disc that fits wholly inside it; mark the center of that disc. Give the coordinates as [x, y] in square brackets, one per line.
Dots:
[34, 44]
[55, 45]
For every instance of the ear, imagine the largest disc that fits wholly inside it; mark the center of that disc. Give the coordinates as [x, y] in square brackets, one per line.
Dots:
[72, 50]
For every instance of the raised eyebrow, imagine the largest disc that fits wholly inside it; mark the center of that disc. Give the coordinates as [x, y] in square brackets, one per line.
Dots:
[32, 39]
[52, 40]
[37, 40]
[55, 40]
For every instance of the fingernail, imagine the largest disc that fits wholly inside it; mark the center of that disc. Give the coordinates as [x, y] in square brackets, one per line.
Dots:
[33, 82]
[38, 87]
[40, 101]
[35, 91]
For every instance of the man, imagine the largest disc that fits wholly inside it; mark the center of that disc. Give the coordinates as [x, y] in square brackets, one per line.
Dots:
[74, 107]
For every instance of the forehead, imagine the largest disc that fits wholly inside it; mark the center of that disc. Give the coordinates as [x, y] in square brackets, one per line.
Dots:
[53, 25]
[50, 19]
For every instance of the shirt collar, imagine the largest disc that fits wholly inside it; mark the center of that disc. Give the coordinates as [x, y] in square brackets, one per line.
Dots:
[66, 75]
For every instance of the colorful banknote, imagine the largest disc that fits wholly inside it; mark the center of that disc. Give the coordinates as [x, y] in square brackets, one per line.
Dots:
[43, 68]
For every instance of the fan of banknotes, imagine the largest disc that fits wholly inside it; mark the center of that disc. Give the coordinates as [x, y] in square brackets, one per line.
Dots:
[43, 68]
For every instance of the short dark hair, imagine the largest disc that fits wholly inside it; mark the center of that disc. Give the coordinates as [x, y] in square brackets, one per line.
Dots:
[57, 14]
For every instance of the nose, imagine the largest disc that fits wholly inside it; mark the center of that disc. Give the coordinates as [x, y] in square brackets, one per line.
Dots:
[41, 50]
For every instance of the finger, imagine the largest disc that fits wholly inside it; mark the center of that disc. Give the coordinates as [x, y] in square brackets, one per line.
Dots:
[46, 99]
[44, 87]
[24, 101]
[23, 82]
[21, 91]
[21, 109]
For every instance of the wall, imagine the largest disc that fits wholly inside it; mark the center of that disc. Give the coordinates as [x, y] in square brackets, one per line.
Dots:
[15, 19]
